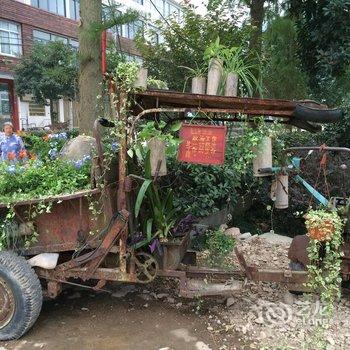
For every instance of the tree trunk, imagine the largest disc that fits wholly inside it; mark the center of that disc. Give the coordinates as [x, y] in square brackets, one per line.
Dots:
[256, 20]
[257, 13]
[90, 77]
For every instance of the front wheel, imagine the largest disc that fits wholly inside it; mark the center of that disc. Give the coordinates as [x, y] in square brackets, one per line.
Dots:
[20, 296]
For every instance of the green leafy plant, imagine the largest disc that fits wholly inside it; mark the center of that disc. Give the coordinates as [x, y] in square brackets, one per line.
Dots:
[154, 83]
[219, 246]
[236, 61]
[126, 75]
[214, 50]
[158, 130]
[161, 209]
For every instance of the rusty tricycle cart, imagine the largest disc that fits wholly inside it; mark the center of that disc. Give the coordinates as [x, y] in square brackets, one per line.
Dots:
[67, 252]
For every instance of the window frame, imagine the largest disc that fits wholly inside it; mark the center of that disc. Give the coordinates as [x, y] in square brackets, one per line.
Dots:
[19, 39]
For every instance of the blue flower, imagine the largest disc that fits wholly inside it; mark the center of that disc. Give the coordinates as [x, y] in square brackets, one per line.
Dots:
[53, 153]
[115, 146]
[86, 158]
[78, 164]
[11, 169]
[62, 135]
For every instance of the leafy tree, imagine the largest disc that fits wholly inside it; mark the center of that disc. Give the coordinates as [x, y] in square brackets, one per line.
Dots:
[283, 76]
[324, 39]
[48, 73]
[184, 43]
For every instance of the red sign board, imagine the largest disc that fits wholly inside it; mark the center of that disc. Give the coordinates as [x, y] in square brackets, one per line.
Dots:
[202, 144]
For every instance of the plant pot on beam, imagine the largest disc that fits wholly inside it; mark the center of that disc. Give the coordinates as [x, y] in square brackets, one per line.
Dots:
[198, 85]
[263, 159]
[231, 86]
[141, 81]
[214, 76]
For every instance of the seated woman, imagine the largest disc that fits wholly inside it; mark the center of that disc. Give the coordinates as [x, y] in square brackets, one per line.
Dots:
[11, 145]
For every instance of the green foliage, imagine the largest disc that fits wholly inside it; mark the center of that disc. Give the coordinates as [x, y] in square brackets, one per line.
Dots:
[185, 42]
[126, 75]
[204, 189]
[161, 213]
[236, 61]
[214, 50]
[283, 76]
[36, 179]
[149, 130]
[324, 39]
[153, 83]
[219, 246]
[49, 72]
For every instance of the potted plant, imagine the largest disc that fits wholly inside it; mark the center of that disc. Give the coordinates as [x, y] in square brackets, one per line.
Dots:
[325, 230]
[213, 55]
[156, 84]
[199, 80]
[141, 81]
[237, 67]
[321, 224]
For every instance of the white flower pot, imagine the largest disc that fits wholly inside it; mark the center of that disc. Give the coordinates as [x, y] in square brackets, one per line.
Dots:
[214, 76]
[198, 85]
[231, 86]
[141, 81]
[263, 157]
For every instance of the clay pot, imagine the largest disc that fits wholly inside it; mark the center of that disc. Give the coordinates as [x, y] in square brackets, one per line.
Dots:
[323, 232]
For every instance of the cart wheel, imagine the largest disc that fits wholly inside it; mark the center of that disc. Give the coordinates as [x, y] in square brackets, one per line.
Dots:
[20, 296]
[146, 267]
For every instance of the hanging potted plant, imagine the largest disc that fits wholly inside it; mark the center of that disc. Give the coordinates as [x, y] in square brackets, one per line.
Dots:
[237, 67]
[141, 81]
[199, 80]
[324, 229]
[213, 55]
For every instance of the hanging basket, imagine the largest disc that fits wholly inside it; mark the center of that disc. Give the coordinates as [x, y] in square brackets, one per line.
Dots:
[157, 149]
[263, 159]
[322, 231]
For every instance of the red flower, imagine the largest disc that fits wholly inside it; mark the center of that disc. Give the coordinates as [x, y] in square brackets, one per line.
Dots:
[11, 156]
[22, 154]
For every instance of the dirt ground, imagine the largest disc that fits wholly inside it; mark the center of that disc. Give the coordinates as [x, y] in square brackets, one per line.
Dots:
[83, 320]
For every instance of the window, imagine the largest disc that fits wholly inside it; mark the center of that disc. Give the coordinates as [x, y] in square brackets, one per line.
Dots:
[44, 37]
[157, 5]
[54, 6]
[132, 29]
[5, 107]
[10, 38]
[74, 7]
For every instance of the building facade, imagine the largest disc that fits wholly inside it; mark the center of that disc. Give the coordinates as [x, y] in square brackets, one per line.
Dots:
[23, 22]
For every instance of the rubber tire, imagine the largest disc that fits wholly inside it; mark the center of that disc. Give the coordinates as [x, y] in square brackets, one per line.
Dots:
[27, 293]
[317, 115]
